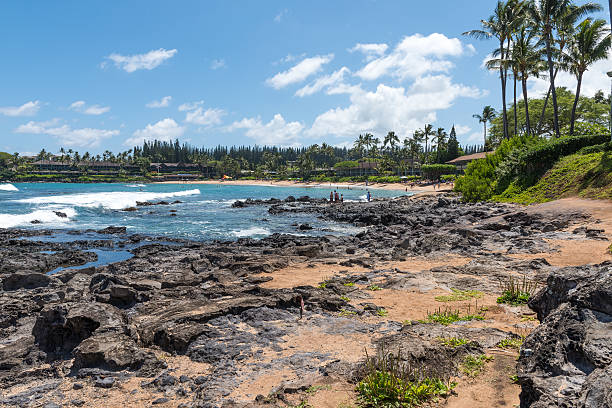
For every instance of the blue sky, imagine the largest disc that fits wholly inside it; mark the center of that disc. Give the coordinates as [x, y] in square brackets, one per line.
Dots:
[97, 75]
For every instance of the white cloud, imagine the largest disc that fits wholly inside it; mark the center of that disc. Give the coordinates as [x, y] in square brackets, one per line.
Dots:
[150, 60]
[206, 117]
[462, 130]
[162, 103]
[217, 64]
[323, 82]
[391, 108]
[415, 55]
[594, 79]
[277, 132]
[476, 138]
[190, 106]
[289, 58]
[299, 72]
[371, 51]
[278, 18]
[84, 137]
[79, 106]
[164, 130]
[27, 109]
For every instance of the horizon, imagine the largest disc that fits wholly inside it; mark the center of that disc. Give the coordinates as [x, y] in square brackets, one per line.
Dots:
[86, 77]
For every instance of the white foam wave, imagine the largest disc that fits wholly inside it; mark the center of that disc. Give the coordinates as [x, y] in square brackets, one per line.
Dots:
[251, 232]
[8, 187]
[135, 185]
[44, 216]
[111, 200]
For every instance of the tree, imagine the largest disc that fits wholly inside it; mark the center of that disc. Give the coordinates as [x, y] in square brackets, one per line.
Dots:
[591, 44]
[391, 140]
[440, 138]
[452, 150]
[500, 25]
[427, 132]
[548, 15]
[488, 114]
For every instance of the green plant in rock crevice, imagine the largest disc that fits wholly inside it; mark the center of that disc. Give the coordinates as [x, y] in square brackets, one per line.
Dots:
[516, 292]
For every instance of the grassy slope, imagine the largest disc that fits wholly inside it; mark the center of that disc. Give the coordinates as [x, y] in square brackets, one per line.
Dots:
[587, 176]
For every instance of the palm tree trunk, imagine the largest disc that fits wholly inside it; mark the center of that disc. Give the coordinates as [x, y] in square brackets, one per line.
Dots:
[503, 87]
[485, 135]
[527, 124]
[552, 85]
[575, 103]
[515, 117]
[541, 121]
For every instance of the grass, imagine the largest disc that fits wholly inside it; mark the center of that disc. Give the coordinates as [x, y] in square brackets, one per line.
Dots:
[448, 316]
[511, 342]
[516, 292]
[473, 366]
[349, 284]
[382, 312]
[453, 342]
[346, 313]
[389, 383]
[345, 298]
[458, 295]
[583, 175]
[376, 287]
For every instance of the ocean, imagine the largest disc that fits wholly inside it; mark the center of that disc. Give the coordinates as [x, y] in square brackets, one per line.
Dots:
[205, 211]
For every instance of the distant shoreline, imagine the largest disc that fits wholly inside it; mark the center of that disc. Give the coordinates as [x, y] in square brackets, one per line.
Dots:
[328, 185]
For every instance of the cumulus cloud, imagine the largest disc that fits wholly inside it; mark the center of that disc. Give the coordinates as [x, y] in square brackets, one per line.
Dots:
[162, 103]
[217, 64]
[323, 82]
[371, 51]
[594, 79]
[80, 106]
[164, 130]
[190, 106]
[415, 55]
[66, 135]
[27, 109]
[299, 72]
[150, 60]
[208, 117]
[391, 108]
[277, 132]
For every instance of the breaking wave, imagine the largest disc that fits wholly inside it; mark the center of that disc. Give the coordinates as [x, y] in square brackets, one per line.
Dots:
[251, 232]
[8, 187]
[47, 217]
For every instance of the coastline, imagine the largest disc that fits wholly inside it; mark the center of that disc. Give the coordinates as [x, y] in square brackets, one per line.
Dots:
[336, 186]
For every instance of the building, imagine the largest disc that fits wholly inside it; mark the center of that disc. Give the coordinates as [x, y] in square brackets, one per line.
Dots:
[462, 161]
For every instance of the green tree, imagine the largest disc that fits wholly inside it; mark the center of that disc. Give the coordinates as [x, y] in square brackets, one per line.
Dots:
[488, 114]
[452, 151]
[440, 138]
[591, 44]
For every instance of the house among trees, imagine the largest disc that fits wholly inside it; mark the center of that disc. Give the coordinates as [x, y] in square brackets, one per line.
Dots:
[461, 162]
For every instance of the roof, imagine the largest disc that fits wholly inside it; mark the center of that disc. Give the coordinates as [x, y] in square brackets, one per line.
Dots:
[469, 158]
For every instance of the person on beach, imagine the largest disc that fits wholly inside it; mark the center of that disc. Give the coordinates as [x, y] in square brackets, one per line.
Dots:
[331, 196]
[369, 196]
[336, 196]
[341, 198]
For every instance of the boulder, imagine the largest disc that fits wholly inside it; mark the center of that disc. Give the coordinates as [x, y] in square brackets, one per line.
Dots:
[25, 280]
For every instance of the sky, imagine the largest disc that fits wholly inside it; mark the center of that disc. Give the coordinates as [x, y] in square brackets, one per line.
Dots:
[108, 75]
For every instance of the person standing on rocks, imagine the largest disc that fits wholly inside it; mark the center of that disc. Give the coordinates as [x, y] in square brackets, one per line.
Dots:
[369, 196]
[331, 196]
[336, 196]
[341, 198]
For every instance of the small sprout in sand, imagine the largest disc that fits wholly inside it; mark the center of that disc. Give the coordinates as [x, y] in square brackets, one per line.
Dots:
[314, 388]
[453, 341]
[458, 295]
[528, 319]
[346, 313]
[322, 285]
[302, 404]
[610, 249]
[516, 292]
[514, 379]
[407, 323]
[511, 342]
[346, 299]
[349, 284]
[473, 366]
[374, 287]
[382, 312]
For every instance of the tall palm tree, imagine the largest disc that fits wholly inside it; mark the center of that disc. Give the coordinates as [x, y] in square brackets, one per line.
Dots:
[427, 132]
[506, 17]
[548, 16]
[359, 145]
[528, 61]
[391, 140]
[440, 138]
[488, 114]
[591, 44]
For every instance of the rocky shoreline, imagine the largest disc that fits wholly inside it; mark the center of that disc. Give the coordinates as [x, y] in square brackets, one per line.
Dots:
[211, 324]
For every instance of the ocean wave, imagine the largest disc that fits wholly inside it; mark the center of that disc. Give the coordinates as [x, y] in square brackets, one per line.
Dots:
[110, 200]
[251, 232]
[44, 216]
[8, 187]
[135, 185]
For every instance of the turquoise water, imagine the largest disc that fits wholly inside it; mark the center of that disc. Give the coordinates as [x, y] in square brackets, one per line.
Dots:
[204, 213]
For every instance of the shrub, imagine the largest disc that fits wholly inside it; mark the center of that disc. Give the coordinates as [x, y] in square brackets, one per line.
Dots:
[434, 171]
[448, 316]
[516, 292]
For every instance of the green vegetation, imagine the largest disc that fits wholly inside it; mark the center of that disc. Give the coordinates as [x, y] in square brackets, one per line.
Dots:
[374, 287]
[346, 299]
[453, 341]
[388, 383]
[458, 295]
[449, 316]
[473, 366]
[516, 292]
[514, 379]
[511, 342]
[435, 171]
[349, 284]
[382, 312]
[346, 313]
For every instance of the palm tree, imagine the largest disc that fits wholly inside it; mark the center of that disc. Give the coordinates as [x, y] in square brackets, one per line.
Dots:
[427, 131]
[392, 140]
[549, 15]
[500, 25]
[488, 114]
[440, 138]
[528, 61]
[359, 145]
[591, 44]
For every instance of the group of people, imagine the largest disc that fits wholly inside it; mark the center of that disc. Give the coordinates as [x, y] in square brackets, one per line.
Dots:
[334, 197]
